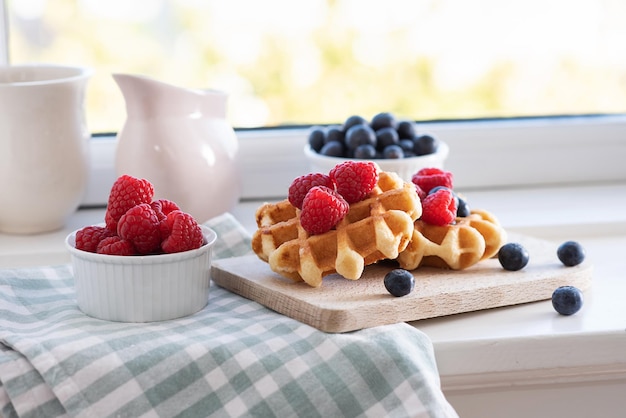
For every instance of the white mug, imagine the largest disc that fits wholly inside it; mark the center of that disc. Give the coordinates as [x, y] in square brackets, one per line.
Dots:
[43, 146]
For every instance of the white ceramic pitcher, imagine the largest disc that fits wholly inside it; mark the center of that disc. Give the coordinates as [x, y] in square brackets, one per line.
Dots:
[180, 140]
[43, 146]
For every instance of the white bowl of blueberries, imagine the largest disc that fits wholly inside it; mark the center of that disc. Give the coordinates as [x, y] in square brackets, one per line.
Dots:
[395, 145]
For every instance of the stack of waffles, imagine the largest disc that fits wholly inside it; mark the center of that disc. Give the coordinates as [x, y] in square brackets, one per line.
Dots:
[385, 225]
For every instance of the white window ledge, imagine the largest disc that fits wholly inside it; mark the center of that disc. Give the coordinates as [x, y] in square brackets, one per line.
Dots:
[489, 360]
[484, 154]
[516, 361]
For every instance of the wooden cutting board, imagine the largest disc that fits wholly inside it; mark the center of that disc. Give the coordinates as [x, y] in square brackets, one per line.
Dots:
[341, 305]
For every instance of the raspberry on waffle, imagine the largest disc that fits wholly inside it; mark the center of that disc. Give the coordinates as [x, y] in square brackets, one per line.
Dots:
[375, 228]
[456, 246]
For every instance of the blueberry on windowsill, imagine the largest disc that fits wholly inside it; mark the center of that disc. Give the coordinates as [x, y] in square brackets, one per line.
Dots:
[571, 253]
[567, 300]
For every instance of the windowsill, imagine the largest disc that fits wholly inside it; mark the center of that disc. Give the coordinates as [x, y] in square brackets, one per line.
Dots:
[518, 345]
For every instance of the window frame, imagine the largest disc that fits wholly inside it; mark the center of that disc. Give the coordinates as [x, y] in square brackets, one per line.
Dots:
[484, 154]
[4, 34]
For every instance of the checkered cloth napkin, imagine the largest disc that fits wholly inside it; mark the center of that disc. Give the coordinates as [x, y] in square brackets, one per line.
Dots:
[233, 358]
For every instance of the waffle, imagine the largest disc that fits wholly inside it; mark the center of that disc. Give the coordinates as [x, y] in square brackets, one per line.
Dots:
[458, 246]
[375, 228]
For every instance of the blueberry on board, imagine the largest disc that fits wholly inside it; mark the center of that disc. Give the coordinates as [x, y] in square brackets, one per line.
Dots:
[386, 137]
[406, 129]
[513, 256]
[567, 300]
[332, 149]
[384, 120]
[317, 138]
[365, 152]
[399, 282]
[393, 152]
[425, 144]
[352, 121]
[360, 135]
[571, 253]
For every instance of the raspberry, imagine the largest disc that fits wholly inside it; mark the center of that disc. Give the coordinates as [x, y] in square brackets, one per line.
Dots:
[140, 226]
[180, 232]
[126, 192]
[88, 238]
[439, 208]
[322, 209]
[420, 193]
[162, 207]
[116, 246]
[301, 185]
[355, 179]
[429, 178]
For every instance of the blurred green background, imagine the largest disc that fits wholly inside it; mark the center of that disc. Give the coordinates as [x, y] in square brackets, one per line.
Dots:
[315, 61]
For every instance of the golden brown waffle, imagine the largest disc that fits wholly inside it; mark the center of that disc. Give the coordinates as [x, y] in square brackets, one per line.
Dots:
[457, 246]
[375, 228]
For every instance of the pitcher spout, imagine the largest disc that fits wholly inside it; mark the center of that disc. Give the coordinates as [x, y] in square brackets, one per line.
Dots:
[149, 98]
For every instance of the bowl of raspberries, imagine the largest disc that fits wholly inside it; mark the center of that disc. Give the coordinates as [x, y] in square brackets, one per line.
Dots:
[395, 145]
[148, 261]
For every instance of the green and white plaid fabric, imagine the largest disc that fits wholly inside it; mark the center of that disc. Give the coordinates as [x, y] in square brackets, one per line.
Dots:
[234, 358]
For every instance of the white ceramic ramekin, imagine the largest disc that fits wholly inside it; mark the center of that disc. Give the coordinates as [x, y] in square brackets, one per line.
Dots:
[142, 288]
[404, 167]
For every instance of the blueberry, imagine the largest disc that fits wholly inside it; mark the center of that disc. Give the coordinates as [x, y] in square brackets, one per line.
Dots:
[384, 120]
[393, 152]
[425, 144]
[317, 137]
[386, 137]
[571, 253]
[334, 133]
[360, 135]
[332, 149]
[406, 129]
[462, 208]
[513, 256]
[567, 300]
[399, 282]
[365, 152]
[352, 121]
[407, 146]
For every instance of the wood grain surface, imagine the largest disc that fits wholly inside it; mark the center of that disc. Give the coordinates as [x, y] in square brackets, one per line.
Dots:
[341, 305]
